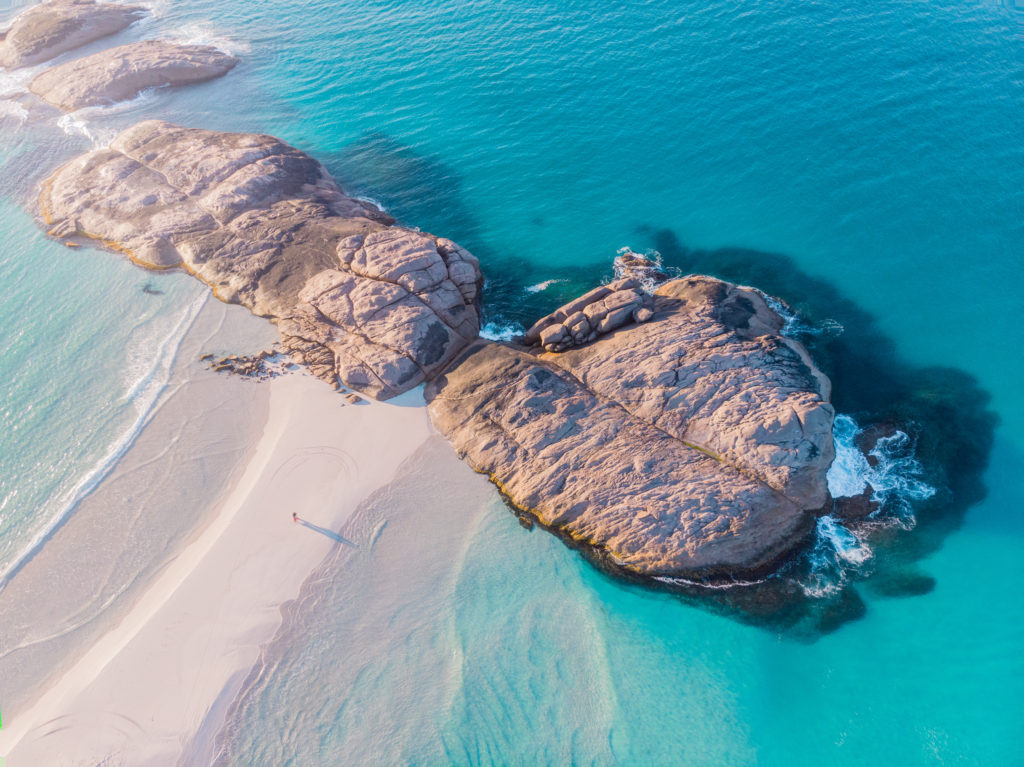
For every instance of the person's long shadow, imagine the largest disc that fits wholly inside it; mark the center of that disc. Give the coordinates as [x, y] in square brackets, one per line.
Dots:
[329, 533]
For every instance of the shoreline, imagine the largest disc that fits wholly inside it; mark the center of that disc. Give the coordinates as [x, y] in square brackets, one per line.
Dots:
[195, 629]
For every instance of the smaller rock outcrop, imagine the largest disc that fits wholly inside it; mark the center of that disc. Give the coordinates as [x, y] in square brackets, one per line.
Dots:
[121, 73]
[46, 31]
[378, 306]
[593, 314]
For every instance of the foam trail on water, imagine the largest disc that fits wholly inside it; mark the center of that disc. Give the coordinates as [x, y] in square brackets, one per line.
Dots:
[542, 285]
[84, 122]
[15, 83]
[494, 331]
[14, 110]
[793, 325]
[371, 201]
[202, 34]
[896, 477]
[144, 395]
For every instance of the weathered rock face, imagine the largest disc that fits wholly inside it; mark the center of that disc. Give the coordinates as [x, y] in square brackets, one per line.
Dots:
[593, 314]
[48, 30]
[264, 225]
[120, 73]
[404, 301]
[691, 446]
[712, 370]
[675, 435]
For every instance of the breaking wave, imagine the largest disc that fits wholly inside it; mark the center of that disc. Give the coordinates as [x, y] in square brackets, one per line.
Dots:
[204, 34]
[495, 331]
[837, 552]
[894, 479]
[793, 325]
[646, 268]
[87, 121]
[895, 484]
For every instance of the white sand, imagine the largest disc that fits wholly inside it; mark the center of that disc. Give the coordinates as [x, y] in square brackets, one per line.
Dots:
[175, 661]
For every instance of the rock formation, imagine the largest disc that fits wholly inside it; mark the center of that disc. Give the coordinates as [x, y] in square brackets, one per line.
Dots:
[673, 434]
[48, 30]
[692, 446]
[263, 224]
[714, 371]
[121, 73]
[593, 314]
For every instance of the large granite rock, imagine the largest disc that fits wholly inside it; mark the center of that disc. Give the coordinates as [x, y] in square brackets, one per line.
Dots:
[673, 435]
[692, 446]
[379, 306]
[45, 31]
[121, 73]
[713, 370]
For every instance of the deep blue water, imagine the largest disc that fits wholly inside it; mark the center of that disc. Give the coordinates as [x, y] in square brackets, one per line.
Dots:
[864, 162]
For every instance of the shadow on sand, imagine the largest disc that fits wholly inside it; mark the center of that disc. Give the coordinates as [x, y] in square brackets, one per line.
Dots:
[329, 533]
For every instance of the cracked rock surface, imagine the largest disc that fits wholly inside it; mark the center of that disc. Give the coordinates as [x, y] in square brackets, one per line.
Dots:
[593, 314]
[694, 445]
[121, 73]
[672, 434]
[379, 306]
[45, 31]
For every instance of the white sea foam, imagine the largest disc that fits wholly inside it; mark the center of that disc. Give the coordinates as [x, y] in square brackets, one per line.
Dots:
[629, 263]
[88, 122]
[157, 9]
[895, 479]
[205, 34]
[837, 552]
[371, 201]
[542, 285]
[895, 483]
[494, 331]
[16, 82]
[793, 325]
[13, 110]
[143, 394]
[684, 582]
[848, 475]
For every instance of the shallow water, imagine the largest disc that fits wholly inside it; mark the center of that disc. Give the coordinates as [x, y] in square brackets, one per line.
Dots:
[862, 162]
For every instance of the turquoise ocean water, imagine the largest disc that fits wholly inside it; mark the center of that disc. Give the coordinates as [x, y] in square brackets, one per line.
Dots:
[862, 161]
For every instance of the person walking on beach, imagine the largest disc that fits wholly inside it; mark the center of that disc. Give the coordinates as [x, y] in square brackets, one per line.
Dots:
[295, 517]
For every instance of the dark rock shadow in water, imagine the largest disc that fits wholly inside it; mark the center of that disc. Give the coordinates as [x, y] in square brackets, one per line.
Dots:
[417, 189]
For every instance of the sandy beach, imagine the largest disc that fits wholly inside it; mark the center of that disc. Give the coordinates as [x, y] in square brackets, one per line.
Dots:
[148, 671]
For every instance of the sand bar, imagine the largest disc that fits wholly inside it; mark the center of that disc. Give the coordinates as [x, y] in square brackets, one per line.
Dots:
[172, 663]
